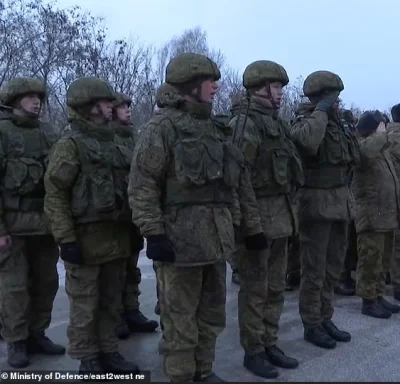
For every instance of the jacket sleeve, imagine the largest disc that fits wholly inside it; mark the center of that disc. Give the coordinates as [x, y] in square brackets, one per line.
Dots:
[150, 162]
[308, 131]
[371, 146]
[59, 179]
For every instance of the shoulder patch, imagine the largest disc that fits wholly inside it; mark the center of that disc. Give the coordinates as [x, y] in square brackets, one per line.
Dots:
[151, 159]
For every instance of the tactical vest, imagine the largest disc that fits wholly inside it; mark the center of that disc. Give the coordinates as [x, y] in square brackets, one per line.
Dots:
[26, 158]
[206, 166]
[338, 152]
[277, 168]
[99, 192]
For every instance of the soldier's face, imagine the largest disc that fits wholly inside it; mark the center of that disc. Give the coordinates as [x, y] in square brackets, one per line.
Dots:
[124, 113]
[104, 107]
[208, 90]
[336, 105]
[276, 90]
[30, 104]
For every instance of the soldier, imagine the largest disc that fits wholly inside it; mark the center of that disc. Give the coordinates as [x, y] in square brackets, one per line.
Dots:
[86, 202]
[184, 180]
[376, 190]
[275, 170]
[326, 204]
[28, 253]
[293, 271]
[393, 129]
[132, 319]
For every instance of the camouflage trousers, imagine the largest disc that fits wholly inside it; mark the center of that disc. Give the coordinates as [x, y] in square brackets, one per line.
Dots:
[28, 286]
[261, 295]
[395, 267]
[375, 251]
[94, 311]
[293, 264]
[192, 307]
[350, 259]
[131, 291]
[322, 250]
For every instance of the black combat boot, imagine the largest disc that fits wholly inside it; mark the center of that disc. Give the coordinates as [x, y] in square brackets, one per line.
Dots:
[157, 308]
[137, 322]
[319, 337]
[235, 277]
[336, 333]
[90, 366]
[40, 343]
[115, 363]
[373, 309]
[393, 308]
[213, 378]
[292, 282]
[278, 358]
[17, 354]
[396, 292]
[123, 331]
[259, 365]
[345, 288]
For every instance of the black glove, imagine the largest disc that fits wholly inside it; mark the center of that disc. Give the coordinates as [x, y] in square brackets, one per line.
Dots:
[326, 103]
[257, 242]
[71, 253]
[159, 248]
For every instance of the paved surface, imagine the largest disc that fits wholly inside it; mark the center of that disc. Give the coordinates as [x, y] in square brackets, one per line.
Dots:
[372, 356]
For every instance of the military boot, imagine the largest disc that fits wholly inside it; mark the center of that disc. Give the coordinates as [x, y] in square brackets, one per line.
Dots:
[393, 308]
[17, 356]
[278, 358]
[137, 322]
[396, 292]
[123, 331]
[259, 365]
[40, 343]
[292, 282]
[115, 363]
[157, 308]
[345, 288]
[319, 337]
[90, 366]
[373, 309]
[213, 378]
[336, 333]
[235, 277]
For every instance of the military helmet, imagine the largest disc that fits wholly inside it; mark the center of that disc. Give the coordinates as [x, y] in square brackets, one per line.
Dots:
[321, 81]
[122, 98]
[88, 90]
[189, 66]
[264, 71]
[21, 86]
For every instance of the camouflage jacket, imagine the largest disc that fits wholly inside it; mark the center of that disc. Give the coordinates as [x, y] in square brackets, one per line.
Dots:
[375, 186]
[329, 150]
[184, 182]
[24, 148]
[273, 162]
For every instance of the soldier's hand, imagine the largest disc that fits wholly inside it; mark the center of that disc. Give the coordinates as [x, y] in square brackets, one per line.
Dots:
[326, 103]
[5, 243]
[71, 253]
[257, 242]
[159, 248]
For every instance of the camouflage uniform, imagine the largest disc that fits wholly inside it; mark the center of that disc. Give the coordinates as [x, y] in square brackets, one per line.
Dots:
[86, 202]
[132, 318]
[326, 205]
[394, 138]
[182, 187]
[28, 270]
[376, 190]
[275, 169]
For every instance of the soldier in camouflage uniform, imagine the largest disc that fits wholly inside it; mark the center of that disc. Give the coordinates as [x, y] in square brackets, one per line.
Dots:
[376, 190]
[87, 204]
[132, 319]
[329, 150]
[184, 182]
[276, 171]
[28, 253]
[393, 129]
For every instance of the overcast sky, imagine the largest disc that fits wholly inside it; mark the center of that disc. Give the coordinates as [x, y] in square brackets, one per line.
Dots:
[357, 39]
